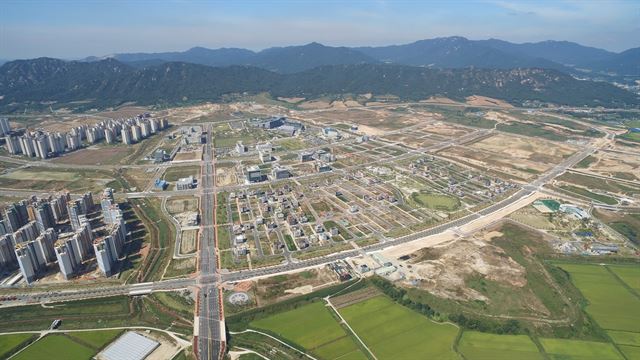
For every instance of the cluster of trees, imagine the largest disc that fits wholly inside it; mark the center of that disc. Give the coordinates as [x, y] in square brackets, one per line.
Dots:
[400, 296]
[508, 327]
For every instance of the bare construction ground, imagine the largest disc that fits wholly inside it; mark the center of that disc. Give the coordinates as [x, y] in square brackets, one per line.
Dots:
[179, 204]
[443, 270]
[476, 100]
[517, 156]
[96, 155]
[281, 287]
[619, 162]
[189, 241]
[374, 121]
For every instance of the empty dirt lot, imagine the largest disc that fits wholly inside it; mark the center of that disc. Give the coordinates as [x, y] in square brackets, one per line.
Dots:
[96, 156]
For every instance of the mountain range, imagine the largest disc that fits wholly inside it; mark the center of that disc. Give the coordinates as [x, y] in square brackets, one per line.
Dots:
[447, 52]
[43, 82]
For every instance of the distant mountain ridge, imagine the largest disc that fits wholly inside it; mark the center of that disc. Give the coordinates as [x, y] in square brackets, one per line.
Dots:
[44, 81]
[284, 60]
[446, 52]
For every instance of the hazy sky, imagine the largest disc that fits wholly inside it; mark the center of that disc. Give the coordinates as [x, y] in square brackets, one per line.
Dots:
[75, 29]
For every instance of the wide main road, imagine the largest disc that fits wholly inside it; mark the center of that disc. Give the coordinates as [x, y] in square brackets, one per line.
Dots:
[210, 327]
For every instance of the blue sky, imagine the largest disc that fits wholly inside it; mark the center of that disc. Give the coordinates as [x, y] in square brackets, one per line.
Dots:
[75, 29]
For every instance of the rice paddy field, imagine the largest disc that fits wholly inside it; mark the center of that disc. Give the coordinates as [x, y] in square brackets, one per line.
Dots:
[629, 274]
[481, 346]
[625, 337]
[313, 327]
[561, 349]
[393, 331]
[631, 352]
[611, 304]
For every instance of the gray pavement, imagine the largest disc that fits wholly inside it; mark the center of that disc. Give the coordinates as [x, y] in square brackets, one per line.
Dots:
[210, 325]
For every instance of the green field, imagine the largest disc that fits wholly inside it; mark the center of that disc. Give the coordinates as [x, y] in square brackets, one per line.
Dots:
[629, 274]
[95, 339]
[586, 162]
[631, 136]
[560, 349]
[54, 347]
[631, 352]
[481, 346]
[117, 311]
[393, 331]
[313, 327]
[534, 130]
[611, 304]
[624, 337]
[10, 342]
[436, 201]
[591, 195]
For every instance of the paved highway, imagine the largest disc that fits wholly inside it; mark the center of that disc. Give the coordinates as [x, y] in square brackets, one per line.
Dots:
[210, 327]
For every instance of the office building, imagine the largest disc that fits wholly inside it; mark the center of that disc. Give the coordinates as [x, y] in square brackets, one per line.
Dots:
[265, 155]
[254, 175]
[305, 156]
[280, 173]
[241, 148]
[186, 183]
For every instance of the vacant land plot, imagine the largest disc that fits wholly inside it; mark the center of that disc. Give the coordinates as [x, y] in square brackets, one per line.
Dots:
[560, 349]
[180, 302]
[56, 344]
[619, 164]
[10, 343]
[610, 303]
[188, 155]
[35, 178]
[180, 267]
[475, 345]
[107, 155]
[393, 331]
[177, 172]
[189, 241]
[627, 224]
[591, 182]
[312, 327]
[436, 201]
[180, 204]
